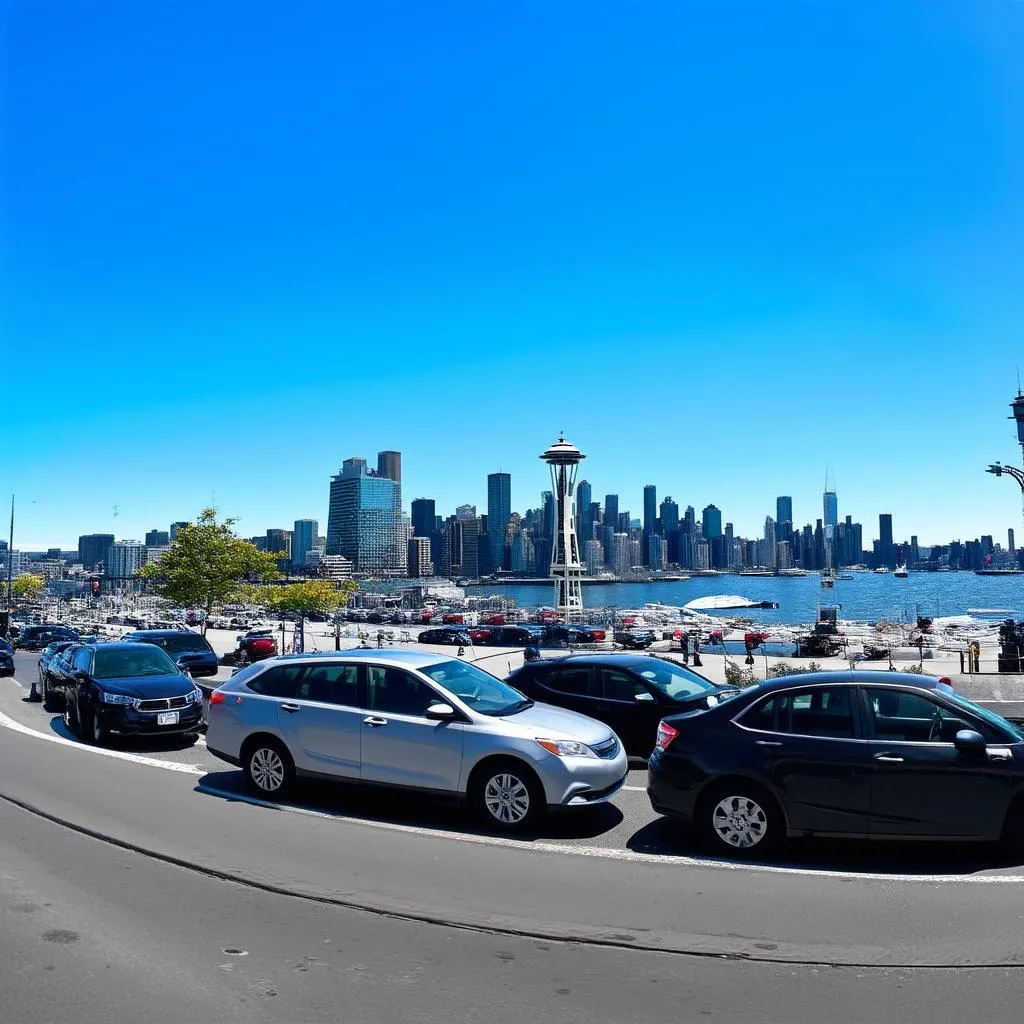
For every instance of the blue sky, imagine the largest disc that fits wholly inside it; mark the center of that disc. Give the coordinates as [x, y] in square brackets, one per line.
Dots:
[724, 246]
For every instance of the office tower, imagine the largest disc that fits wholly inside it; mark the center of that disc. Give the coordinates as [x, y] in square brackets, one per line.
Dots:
[157, 539]
[594, 520]
[670, 528]
[423, 517]
[595, 557]
[702, 553]
[124, 559]
[783, 555]
[471, 531]
[1010, 545]
[451, 554]
[499, 511]
[784, 509]
[656, 551]
[767, 553]
[365, 520]
[277, 541]
[389, 466]
[563, 459]
[650, 519]
[622, 555]
[914, 552]
[465, 511]
[584, 520]
[611, 525]
[830, 508]
[92, 549]
[419, 557]
[305, 534]
[175, 527]
[711, 518]
[886, 552]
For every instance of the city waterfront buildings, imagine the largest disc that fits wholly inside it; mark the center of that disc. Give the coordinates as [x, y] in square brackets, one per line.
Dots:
[93, 548]
[365, 520]
[305, 533]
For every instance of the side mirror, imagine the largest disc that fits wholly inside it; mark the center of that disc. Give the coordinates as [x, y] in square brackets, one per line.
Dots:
[441, 713]
[967, 741]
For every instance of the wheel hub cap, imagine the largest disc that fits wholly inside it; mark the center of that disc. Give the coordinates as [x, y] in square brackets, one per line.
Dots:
[507, 799]
[739, 822]
[267, 769]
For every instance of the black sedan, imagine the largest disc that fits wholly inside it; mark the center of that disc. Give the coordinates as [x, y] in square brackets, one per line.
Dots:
[631, 693]
[446, 635]
[6, 658]
[48, 672]
[35, 638]
[126, 689]
[187, 649]
[874, 755]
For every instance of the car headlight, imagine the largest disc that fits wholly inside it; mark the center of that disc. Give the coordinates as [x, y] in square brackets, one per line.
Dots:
[196, 696]
[117, 698]
[566, 748]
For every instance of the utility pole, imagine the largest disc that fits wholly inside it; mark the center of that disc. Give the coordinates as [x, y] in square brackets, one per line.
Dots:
[998, 469]
[10, 574]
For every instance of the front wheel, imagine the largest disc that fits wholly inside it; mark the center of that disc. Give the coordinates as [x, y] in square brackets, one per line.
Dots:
[94, 729]
[740, 821]
[71, 715]
[269, 770]
[507, 797]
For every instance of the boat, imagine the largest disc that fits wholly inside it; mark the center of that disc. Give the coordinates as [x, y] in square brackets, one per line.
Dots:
[756, 572]
[900, 572]
[882, 570]
[828, 578]
[845, 576]
[723, 602]
[999, 572]
[792, 572]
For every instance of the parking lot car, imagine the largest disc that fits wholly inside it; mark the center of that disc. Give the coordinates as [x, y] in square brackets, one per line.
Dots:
[631, 693]
[124, 689]
[636, 639]
[255, 645]
[417, 721]
[445, 635]
[875, 755]
[35, 638]
[6, 659]
[573, 634]
[188, 650]
[46, 659]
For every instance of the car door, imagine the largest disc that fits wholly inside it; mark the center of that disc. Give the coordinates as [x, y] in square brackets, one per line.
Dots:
[569, 686]
[630, 707]
[921, 785]
[811, 751]
[322, 721]
[400, 745]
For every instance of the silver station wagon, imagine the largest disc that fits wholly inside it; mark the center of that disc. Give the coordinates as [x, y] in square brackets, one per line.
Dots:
[414, 720]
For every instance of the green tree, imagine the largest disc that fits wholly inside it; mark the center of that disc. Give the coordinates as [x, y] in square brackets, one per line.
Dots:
[305, 598]
[207, 564]
[24, 587]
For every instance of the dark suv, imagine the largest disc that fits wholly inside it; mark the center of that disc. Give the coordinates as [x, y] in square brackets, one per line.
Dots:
[630, 692]
[35, 638]
[126, 689]
[188, 650]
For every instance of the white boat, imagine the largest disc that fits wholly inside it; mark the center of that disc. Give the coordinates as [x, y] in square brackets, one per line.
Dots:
[900, 572]
[792, 572]
[828, 578]
[882, 571]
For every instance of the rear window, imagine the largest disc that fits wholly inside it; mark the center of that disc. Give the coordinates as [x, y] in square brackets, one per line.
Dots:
[178, 643]
[126, 663]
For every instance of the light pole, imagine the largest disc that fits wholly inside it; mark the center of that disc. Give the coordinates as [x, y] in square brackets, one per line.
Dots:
[997, 468]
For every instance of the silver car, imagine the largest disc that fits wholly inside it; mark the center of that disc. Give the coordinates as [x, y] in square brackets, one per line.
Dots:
[415, 720]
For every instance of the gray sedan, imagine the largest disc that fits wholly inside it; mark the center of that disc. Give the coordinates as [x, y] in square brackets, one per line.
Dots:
[414, 720]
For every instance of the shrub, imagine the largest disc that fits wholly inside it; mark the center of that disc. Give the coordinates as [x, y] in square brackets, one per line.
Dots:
[736, 676]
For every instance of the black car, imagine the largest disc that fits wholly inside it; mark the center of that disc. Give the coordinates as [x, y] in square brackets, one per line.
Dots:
[630, 692]
[570, 635]
[46, 666]
[128, 689]
[35, 638]
[446, 635]
[515, 636]
[876, 755]
[636, 639]
[187, 649]
[6, 659]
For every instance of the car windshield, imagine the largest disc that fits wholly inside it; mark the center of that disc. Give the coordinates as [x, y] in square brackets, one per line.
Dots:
[676, 682]
[178, 643]
[997, 721]
[478, 689]
[127, 663]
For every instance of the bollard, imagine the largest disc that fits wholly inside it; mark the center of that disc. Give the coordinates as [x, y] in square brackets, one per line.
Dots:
[961, 663]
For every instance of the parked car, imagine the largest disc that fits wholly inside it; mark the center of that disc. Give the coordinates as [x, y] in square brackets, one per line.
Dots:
[874, 755]
[480, 634]
[631, 693]
[50, 653]
[35, 638]
[415, 720]
[6, 659]
[190, 651]
[573, 634]
[636, 639]
[255, 645]
[516, 636]
[126, 689]
[445, 635]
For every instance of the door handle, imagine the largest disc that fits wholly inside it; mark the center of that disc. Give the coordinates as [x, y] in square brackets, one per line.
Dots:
[290, 708]
[889, 758]
[375, 723]
[768, 743]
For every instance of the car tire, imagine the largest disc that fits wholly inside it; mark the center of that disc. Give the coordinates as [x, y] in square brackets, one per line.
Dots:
[740, 820]
[269, 769]
[94, 730]
[50, 702]
[507, 796]
[71, 722]
[1012, 837]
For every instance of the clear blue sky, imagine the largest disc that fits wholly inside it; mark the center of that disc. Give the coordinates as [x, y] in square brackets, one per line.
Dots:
[723, 245]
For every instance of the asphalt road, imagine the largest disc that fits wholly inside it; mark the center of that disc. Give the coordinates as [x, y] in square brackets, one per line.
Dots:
[607, 916]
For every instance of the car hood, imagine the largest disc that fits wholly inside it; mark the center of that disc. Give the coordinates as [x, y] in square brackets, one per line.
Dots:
[544, 720]
[148, 687]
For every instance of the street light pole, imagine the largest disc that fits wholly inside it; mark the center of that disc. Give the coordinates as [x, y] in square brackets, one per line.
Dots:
[10, 568]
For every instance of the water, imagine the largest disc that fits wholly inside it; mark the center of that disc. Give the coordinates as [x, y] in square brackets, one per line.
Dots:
[868, 596]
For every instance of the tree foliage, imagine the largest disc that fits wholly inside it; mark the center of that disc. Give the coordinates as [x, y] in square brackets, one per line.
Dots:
[207, 564]
[25, 586]
[308, 597]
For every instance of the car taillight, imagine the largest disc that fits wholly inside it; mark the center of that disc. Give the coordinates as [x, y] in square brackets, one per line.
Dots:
[598, 635]
[666, 734]
[216, 697]
[263, 645]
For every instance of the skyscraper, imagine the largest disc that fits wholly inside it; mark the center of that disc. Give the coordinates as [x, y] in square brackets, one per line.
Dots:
[365, 520]
[125, 558]
[670, 528]
[584, 522]
[92, 549]
[175, 527]
[650, 520]
[157, 539]
[389, 466]
[784, 509]
[611, 525]
[419, 557]
[304, 538]
[499, 511]
[886, 551]
[711, 519]
[424, 512]
[830, 507]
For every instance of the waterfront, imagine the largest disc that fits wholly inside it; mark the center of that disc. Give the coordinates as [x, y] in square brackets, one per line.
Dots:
[867, 596]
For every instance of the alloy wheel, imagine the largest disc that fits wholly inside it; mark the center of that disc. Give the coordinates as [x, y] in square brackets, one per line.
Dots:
[507, 798]
[739, 822]
[267, 769]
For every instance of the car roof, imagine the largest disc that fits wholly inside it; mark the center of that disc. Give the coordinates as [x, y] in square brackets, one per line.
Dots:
[162, 632]
[116, 645]
[600, 657]
[873, 676]
[395, 657]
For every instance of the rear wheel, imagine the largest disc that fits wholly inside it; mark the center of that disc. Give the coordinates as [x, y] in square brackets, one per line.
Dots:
[740, 819]
[51, 702]
[507, 796]
[268, 767]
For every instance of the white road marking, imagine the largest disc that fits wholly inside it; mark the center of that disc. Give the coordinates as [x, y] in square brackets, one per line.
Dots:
[636, 789]
[565, 850]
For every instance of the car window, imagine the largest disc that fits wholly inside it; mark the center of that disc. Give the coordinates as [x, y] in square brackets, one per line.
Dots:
[619, 685]
[674, 681]
[479, 689]
[904, 717]
[571, 680]
[81, 660]
[128, 662]
[331, 684]
[281, 681]
[396, 692]
[825, 711]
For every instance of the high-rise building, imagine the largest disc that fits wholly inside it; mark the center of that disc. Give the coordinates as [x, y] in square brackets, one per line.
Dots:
[784, 509]
[670, 528]
[157, 539]
[451, 552]
[277, 541]
[1010, 545]
[584, 522]
[711, 518]
[124, 559]
[886, 551]
[783, 555]
[92, 549]
[423, 517]
[389, 466]
[175, 527]
[304, 537]
[830, 508]
[465, 511]
[365, 520]
[419, 557]
[767, 554]
[594, 550]
[622, 555]
[650, 520]
[499, 511]
[471, 529]
[611, 526]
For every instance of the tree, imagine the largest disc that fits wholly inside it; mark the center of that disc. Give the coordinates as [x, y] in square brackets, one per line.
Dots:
[303, 599]
[208, 563]
[25, 587]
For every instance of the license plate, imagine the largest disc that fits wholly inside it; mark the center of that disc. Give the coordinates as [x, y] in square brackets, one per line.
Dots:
[167, 718]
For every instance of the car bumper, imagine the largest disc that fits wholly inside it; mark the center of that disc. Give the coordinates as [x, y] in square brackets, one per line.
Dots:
[583, 781]
[129, 722]
[668, 793]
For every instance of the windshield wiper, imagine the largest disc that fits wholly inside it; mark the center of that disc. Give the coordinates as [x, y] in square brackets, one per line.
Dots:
[514, 709]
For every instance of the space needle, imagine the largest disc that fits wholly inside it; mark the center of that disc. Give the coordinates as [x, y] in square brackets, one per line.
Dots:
[566, 568]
